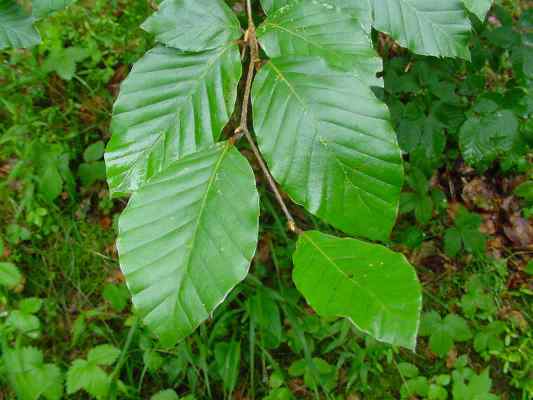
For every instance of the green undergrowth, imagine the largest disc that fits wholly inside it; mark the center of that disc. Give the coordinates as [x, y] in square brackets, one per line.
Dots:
[67, 329]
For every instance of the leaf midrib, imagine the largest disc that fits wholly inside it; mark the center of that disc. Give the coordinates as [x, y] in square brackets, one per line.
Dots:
[331, 261]
[322, 140]
[210, 182]
[145, 153]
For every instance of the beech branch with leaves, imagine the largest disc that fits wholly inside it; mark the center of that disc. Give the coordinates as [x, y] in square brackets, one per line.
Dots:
[190, 230]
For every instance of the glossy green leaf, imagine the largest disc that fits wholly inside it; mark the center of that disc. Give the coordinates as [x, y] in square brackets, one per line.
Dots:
[187, 238]
[428, 27]
[478, 7]
[43, 8]
[270, 6]
[329, 142]
[376, 288]
[16, 28]
[311, 28]
[172, 104]
[361, 8]
[194, 25]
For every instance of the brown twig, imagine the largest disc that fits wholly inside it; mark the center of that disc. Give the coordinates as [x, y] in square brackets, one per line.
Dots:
[251, 44]
[291, 224]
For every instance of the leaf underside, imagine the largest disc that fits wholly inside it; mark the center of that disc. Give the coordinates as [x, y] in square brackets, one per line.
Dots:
[329, 142]
[324, 29]
[187, 238]
[172, 104]
[16, 28]
[429, 27]
[371, 285]
[194, 25]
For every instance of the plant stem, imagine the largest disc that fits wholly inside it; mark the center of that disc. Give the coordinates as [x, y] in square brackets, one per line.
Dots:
[250, 40]
[291, 224]
[122, 359]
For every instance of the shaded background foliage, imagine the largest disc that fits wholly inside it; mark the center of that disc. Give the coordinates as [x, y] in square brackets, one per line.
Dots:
[465, 224]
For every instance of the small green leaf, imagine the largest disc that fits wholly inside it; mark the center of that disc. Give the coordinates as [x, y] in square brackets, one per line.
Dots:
[24, 323]
[84, 375]
[117, 295]
[371, 285]
[194, 25]
[10, 276]
[30, 305]
[30, 377]
[105, 354]
[64, 61]
[153, 360]
[407, 370]
[483, 138]
[94, 152]
[525, 190]
[50, 183]
[424, 209]
[529, 267]
[437, 392]
[444, 332]
[478, 388]
[315, 371]
[418, 386]
[90, 173]
[16, 28]
[280, 394]
[165, 395]
[488, 338]
[452, 242]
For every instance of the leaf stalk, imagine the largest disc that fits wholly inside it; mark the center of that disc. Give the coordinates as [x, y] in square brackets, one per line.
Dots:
[251, 44]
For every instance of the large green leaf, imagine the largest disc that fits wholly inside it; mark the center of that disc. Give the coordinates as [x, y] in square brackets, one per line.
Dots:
[270, 6]
[329, 142]
[187, 238]
[172, 104]
[361, 8]
[478, 7]
[43, 8]
[194, 25]
[304, 28]
[16, 28]
[428, 27]
[376, 288]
